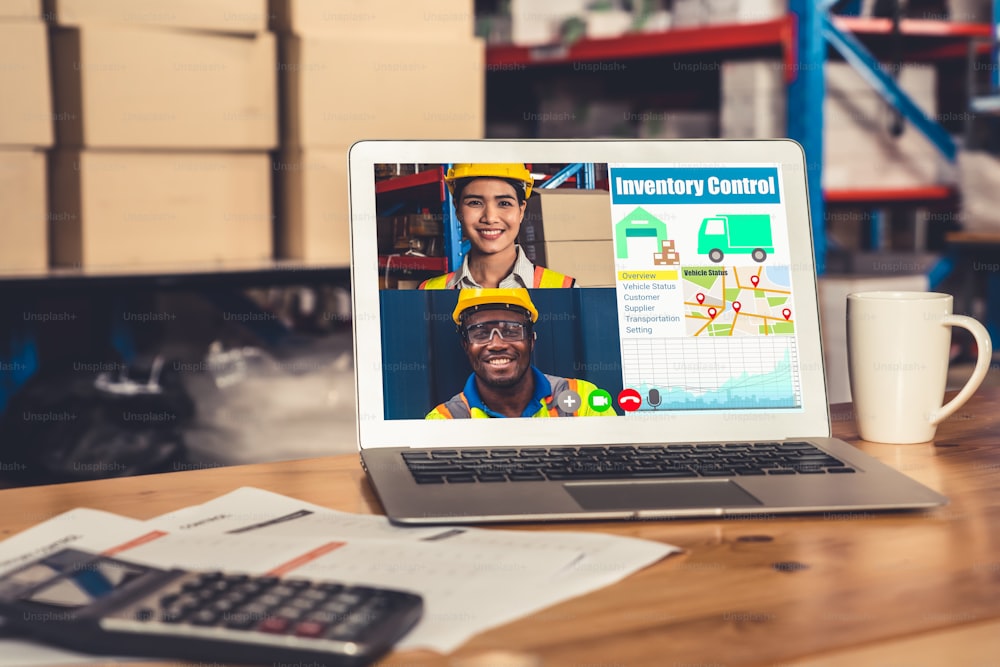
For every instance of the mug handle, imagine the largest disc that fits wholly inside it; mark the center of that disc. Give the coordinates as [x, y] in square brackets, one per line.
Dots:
[985, 346]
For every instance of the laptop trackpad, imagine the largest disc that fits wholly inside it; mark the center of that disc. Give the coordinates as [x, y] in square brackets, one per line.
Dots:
[659, 495]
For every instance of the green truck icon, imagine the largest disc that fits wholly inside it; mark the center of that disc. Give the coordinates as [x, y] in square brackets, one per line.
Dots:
[746, 234]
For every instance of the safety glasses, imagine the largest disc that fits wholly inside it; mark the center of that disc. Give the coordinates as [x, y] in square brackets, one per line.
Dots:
[483, 332]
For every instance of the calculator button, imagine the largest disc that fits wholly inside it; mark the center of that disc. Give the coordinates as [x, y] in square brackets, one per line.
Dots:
[222, 606]
[313, 594]
[274, 625]
[144, 614]
[240, 621]
[328, 587]
[168, 600]
[336, 607]
[270, 600]
[349, 598]
[288, 613]
[310, 629]
[204, 617]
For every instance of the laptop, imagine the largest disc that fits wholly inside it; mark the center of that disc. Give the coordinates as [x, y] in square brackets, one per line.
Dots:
[676, 327]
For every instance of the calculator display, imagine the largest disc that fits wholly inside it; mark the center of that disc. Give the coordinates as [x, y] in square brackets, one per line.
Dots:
[80, 586]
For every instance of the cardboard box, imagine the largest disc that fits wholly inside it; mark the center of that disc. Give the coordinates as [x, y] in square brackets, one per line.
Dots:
[753, 99]
[568, 214]
[970, 11]
[592, 263]
[744, 11]
[536, 23]
[314, 218]
[680, 124]
[338, 91]
[23, 226]
[20, 9]
[227, 16]
[859, 149]
[980, 179]
[26, 110]
[132, 209]
[145, 88]
[689, 13]
[428, 20]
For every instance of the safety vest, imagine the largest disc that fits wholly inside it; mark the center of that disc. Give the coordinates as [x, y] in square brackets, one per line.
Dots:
[458, 406]
[543, 278]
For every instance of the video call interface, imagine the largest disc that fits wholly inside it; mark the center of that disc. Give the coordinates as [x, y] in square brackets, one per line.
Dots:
[681, 298]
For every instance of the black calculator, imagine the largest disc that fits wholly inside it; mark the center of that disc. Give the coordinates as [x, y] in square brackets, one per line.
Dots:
[107, 606]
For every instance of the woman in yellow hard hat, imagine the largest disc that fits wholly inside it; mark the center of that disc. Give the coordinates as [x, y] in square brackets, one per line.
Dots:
[490, 200]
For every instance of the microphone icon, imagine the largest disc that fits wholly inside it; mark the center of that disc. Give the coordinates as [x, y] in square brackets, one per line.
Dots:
[653, 398]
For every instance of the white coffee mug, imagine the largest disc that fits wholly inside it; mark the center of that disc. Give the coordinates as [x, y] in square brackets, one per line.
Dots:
[898, 348]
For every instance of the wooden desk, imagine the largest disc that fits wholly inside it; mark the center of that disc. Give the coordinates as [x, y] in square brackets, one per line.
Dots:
[836, 589]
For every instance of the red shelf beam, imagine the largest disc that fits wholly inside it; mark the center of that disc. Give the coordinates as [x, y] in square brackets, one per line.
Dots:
[412, 263]
[421, 178]
[777, 33]
[927, 39]
[861, 25]
[872, 196]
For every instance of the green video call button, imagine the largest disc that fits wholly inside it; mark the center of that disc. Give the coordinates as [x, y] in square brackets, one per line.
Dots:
[599, 400]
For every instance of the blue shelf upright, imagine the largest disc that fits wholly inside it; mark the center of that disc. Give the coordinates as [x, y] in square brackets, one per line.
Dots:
[816, 32]
[805, 110]
[455, 246]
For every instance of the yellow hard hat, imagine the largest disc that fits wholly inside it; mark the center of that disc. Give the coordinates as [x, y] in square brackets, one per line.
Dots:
[514, 172]
[500, 297]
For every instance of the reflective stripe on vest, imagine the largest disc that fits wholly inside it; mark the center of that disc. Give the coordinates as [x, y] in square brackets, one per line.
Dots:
[559, 385]
[457, 408]
[549, 278]
[437, 282]
[543, 278]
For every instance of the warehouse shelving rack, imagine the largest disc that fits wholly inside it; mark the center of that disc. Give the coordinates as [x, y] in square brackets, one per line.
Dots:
[803, 38]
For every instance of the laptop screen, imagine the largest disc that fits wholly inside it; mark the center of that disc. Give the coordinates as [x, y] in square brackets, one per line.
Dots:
[661, 293]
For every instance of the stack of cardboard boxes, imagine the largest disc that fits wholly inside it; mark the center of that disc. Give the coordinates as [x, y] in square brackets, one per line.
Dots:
[364, 69]
[25, 130]
[859, 149]
[567, 230]
[753, 99]
[165, 112]
[690, 13]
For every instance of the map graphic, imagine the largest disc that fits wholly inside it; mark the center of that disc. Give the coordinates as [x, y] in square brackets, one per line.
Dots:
[698, 374]
[737, 301]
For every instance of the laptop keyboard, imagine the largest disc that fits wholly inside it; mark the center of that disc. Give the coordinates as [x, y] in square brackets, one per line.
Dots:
[440, 466]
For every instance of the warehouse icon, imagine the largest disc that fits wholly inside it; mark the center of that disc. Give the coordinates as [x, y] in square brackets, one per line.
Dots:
[638, 223]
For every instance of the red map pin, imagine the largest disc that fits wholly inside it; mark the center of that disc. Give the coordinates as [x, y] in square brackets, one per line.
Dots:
[737, 305]
[699, 297]
[713, 311]
[754, 280]
[787, 313]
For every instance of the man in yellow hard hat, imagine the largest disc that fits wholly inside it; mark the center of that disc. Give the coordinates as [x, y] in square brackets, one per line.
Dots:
[490, 200]
[497, 329]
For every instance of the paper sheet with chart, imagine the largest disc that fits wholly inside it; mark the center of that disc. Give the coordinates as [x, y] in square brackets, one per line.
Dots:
[456, 569]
